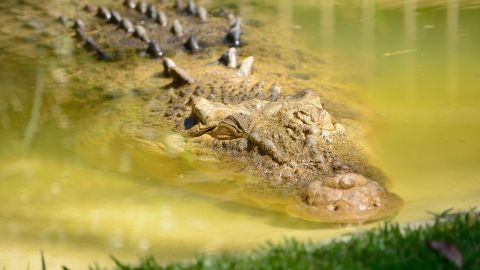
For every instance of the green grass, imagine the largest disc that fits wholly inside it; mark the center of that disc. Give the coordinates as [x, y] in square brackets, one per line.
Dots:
[388, 247]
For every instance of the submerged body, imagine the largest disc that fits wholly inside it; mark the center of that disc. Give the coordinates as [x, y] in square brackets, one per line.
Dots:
[257, 116]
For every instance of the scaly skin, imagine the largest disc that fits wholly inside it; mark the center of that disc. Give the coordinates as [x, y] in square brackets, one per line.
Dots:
[292, 143]
[271, 124]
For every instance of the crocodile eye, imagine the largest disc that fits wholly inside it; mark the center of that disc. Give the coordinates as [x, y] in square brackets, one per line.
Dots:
[225, 132]
[228, 129]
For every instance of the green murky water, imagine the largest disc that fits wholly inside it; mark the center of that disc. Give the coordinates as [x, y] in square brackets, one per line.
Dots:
[416, 65]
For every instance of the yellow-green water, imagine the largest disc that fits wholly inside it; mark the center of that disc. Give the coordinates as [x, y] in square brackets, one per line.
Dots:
[417, 68]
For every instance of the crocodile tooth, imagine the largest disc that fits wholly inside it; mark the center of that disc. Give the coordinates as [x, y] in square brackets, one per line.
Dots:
[177, 28]
[179, 5]
[229, 58]
[192, 44]
[162, 19]
[104, 13]
[152, 12]
[130, 3]
[116, 17]
[202, 14]
[78, 24]
[191, 9]
[233, 34]
[127, 25]
[167, 66]
[247, 67]
[180, 76]
[142, 7]
[154, 50]
[141, 33]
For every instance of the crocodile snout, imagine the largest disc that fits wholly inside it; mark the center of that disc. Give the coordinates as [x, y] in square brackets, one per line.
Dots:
[345, 198]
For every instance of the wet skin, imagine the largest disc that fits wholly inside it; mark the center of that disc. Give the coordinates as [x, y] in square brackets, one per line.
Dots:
[246, 118]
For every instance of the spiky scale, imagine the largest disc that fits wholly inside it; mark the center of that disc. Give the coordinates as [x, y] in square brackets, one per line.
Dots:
[233, 34]
[192, 45]
[104, 13]
[177, 28]
[154, 50]
[162, 19]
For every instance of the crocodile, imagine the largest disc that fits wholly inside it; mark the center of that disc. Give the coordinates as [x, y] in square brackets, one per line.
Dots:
[253, 116]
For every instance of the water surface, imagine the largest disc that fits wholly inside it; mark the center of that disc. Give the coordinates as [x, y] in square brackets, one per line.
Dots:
[415, 68]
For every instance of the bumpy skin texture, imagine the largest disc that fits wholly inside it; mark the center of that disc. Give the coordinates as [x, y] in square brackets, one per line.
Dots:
[293, 143]
[345, 198]
[290, 141]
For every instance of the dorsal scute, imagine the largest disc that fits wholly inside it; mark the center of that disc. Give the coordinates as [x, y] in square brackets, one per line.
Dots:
[116, 26]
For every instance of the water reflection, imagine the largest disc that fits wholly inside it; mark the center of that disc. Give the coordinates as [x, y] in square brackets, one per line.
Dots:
[4, 117]
[33, 122]
[411, 70]
[368, 25]
[327, 22]
[368, 40]
[285, 17]
[452, 48]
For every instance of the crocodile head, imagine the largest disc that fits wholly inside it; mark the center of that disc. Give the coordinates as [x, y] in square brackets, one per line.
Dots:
[296, 144]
